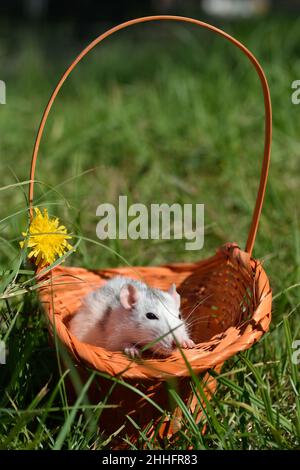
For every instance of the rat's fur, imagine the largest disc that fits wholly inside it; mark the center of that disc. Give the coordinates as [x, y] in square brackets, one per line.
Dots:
[114, 317]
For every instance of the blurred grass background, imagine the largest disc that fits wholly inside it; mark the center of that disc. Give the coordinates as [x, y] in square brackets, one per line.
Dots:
[178, 120]
[161, 113]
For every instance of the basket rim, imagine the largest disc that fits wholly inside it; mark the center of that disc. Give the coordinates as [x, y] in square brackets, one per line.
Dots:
[233, 340]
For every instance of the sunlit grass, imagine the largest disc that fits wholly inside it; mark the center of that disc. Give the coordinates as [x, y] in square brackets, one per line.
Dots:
[180, 120]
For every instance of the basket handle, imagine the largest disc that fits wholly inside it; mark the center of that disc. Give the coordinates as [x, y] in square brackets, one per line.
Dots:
[267, 105]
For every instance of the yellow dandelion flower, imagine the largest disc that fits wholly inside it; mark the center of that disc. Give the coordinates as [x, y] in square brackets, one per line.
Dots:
[46, 238]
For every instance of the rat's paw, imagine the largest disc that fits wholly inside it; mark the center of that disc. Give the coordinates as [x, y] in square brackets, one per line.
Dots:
[188, 344]
[132, 352]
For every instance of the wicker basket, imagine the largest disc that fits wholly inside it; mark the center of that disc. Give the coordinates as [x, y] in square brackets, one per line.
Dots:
[229, 293]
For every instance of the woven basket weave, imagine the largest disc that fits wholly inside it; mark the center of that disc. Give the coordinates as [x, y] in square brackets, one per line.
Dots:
[228, 295]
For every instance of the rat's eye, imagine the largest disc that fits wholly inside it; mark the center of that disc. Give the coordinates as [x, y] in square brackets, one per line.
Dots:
[151, 316]
[180, 317]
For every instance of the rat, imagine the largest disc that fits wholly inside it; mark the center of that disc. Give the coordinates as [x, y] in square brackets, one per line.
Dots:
[126, 315]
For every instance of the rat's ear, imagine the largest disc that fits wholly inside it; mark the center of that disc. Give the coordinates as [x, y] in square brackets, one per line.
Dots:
[173, 292]
[128, 296]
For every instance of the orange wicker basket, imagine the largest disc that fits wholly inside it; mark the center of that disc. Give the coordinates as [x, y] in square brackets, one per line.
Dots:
[230, 290]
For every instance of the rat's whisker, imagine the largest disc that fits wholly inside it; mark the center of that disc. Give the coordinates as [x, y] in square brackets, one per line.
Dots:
[195, 307]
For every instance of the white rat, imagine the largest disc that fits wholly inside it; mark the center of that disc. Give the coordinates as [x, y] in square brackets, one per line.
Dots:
[125, 315]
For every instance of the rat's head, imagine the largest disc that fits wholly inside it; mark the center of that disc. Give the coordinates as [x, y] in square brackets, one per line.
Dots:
[155, 316]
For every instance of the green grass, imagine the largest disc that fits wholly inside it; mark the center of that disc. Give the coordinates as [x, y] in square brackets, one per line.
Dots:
[175, 116]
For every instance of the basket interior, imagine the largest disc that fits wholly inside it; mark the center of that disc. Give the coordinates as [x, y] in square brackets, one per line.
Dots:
[226, 300]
